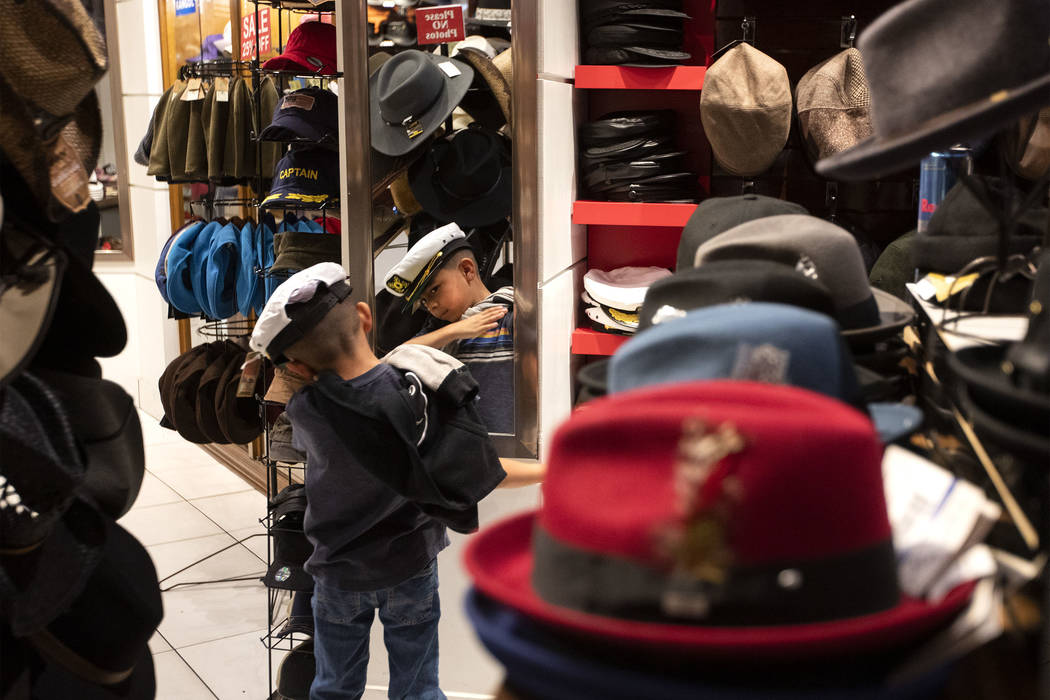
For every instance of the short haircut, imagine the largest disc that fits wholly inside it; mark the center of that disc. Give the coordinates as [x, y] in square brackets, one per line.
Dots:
[458, 255]
[331, 339]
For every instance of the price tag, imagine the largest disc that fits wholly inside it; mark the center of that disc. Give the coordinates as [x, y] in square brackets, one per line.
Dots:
[249, 375]
[450, 69]
[222, 89]
[193, 91]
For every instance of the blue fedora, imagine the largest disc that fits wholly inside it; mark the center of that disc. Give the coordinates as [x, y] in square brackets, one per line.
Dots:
[223, 264]
[758, 341]
[542, 664]
[180, 268]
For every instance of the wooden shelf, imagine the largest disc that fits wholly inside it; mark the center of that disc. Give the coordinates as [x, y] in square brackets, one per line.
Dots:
[587, 341]
[626, 78]
[631, 213]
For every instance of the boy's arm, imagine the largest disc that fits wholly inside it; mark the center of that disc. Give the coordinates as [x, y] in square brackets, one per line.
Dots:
[470, 327]
[521, 472]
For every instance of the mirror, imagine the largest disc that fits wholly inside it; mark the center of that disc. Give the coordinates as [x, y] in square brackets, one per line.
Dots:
[108, 184]
[446, 194]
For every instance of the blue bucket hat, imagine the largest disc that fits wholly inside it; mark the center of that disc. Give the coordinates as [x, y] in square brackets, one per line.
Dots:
[763, 342]
[247, 280]
[545, 665]
[160, 275]
[199, 266]
[223, 263]
[305, 178]
[181, 259]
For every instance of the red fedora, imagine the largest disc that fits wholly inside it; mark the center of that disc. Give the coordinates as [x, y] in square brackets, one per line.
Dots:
[718, 518]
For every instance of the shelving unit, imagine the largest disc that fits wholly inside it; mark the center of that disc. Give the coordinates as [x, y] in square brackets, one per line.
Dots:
[626, 78]
[590, 212]
[587, 341]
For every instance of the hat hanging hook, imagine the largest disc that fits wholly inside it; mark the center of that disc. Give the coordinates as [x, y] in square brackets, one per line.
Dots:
[848, 31]
[748, 27]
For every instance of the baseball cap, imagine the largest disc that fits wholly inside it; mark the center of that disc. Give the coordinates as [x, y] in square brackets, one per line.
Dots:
[311, 114]
[310, 48]
[304, 178]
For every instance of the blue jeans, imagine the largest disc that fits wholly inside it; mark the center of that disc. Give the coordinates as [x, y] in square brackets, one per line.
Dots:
[409, 612]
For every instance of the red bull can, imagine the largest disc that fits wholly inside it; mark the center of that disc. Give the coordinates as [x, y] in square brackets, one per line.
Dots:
[937, 175]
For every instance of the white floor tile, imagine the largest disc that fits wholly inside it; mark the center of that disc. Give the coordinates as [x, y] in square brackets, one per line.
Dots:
[256, 544]
[176, 681]
[155, 492]
[154, 434]
[170, 522]
[157, 644]
[168, 456]
[197, 614]
[202, 480]
[234, 511]
[234, 667]
[236, 561]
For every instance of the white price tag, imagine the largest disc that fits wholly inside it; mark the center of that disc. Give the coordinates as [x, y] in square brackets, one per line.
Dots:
[925, 289]
[222, 89]
[450, 69]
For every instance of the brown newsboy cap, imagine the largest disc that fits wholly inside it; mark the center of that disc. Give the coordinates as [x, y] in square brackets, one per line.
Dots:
[834, 106]
[745, 108]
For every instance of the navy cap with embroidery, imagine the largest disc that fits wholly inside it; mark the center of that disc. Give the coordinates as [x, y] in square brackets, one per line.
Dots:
[305, 178]
[311, 113]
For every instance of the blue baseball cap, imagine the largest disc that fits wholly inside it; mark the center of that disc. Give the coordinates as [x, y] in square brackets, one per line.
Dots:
[181, 261]
[311, 113]
[305, 178]
[221, 272]
[763, 342]
[160, 274]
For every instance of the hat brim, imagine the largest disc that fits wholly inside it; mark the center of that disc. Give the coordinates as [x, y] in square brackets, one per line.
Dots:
[894, 315]
[595, 376]
[486, 69]
[878, 156]
[391, 139]
[31, 313]
[284, 134]
[979, 368]
[289, 62]
[500, 561]
[295, 200]
[468, 214]
[894, 421]
[548, 666]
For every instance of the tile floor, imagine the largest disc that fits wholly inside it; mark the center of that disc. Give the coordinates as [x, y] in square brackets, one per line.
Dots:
[208, 645]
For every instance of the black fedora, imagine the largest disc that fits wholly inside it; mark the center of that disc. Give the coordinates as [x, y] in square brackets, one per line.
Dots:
[942, 72]
[465, 178]
[411, 95]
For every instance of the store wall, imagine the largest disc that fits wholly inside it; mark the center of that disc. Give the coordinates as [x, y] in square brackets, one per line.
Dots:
[152, 338]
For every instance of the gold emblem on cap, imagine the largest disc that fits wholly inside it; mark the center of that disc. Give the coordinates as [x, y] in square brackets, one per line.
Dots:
[398, 284]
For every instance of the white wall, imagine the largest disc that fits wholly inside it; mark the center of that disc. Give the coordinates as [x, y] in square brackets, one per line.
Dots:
[152, 338]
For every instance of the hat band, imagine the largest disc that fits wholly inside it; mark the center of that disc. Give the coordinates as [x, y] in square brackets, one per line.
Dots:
[860, 582]
[297, 328]
[863, 314]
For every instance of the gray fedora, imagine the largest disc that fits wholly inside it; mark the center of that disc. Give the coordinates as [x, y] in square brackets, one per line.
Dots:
[826, 252]
[942, 72]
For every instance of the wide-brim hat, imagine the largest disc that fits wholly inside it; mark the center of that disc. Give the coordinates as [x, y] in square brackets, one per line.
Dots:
[740, 585]
[466, 178]
[495, 76]
[820, 248]
[411, 95]
[921, 103]
[540, 662]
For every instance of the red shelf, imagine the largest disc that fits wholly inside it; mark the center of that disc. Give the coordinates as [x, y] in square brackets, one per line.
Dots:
[587, 341]
[631, 213]
[625, 78]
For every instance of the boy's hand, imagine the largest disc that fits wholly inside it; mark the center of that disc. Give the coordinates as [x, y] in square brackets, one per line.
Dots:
[479, 323]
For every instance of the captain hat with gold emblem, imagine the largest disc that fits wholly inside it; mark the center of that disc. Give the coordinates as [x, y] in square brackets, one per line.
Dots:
[410, 277]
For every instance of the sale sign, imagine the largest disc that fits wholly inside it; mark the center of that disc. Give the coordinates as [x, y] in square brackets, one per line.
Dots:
[249, 31]
[439, 25]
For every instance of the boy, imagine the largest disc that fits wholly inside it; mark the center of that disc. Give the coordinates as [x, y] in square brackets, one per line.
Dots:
[388, 468]
[440, 272]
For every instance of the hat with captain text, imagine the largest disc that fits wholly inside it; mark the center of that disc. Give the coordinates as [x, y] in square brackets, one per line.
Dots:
[942, 72]
[707, 537]
[408, 279]
[306, 178]
[410, 96]
[296, 306]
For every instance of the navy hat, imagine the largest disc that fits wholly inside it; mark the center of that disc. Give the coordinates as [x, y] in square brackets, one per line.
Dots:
[223, 264]
[543, 664]
[180, 258]
[770, 343]
[305, 178]
[310, 114]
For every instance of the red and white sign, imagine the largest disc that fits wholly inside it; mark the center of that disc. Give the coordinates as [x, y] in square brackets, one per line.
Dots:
[439, 25]
[248, 33]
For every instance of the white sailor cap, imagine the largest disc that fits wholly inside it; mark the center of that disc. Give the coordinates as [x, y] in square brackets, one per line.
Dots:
[409, 278]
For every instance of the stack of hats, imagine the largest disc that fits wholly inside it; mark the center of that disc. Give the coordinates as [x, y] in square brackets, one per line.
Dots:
[291, 549]
[204, 398]
[647, 34]
[614, 297]
[281, 446]
[631, 157]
